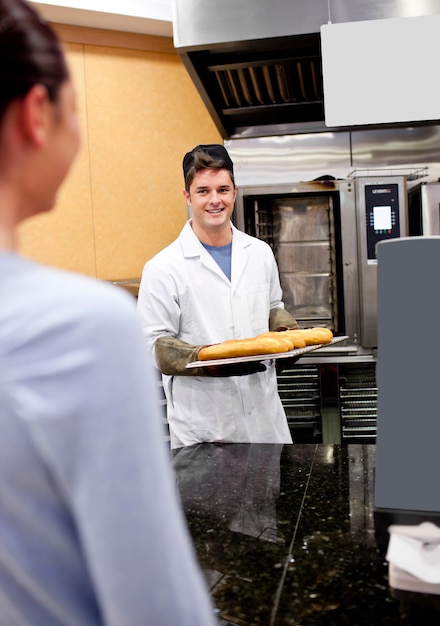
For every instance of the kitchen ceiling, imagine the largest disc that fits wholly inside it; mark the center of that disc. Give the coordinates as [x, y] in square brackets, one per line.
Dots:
[152, 17]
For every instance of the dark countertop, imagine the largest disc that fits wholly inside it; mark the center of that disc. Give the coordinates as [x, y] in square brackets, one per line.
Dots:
[285, 536]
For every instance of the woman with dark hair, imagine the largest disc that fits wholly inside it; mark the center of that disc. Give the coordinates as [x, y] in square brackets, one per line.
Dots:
[91, 532]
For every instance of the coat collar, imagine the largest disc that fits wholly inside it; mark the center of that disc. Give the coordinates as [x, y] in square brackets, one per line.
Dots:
[192, 247]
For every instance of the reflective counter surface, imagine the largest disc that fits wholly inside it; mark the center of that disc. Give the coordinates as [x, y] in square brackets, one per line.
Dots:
[285, 536]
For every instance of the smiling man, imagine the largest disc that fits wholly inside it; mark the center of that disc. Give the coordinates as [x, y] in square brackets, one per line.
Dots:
[211, 284]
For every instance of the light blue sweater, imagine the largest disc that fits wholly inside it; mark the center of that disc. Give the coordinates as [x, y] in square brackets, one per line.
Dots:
[91, 530]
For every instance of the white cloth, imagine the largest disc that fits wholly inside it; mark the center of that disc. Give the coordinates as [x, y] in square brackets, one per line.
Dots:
[185, 294]
[91, 531]
[416, 550]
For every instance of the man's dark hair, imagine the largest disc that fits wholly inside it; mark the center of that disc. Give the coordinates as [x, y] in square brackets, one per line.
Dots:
[206, 156]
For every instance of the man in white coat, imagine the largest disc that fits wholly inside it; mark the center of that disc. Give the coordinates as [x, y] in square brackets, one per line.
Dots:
[211, 284]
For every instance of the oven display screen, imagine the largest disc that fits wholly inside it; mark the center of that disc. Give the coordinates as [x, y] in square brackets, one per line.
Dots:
[382, 215]
[382, 218]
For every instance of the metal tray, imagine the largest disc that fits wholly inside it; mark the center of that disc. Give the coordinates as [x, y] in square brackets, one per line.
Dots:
[264, 357]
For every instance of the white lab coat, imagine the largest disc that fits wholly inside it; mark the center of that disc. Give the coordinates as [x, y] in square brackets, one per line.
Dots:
[185, 294]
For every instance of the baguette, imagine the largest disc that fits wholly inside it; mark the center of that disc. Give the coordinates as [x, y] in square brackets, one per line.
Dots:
[266, 343]
[316, 335]
[279, 335]
[296, 336]
[244, 347]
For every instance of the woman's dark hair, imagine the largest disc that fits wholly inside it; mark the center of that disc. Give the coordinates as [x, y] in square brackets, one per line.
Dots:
[30, 54]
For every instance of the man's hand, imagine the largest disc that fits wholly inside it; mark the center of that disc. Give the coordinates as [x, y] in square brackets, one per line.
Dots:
[285, 364]
[238, 369]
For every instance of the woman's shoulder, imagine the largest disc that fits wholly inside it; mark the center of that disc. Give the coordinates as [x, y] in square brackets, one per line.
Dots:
[43, 297]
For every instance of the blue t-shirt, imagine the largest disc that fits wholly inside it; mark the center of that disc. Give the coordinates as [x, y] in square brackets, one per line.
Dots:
[222, 256]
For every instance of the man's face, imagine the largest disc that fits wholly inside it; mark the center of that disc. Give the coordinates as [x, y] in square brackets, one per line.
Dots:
[211, 198]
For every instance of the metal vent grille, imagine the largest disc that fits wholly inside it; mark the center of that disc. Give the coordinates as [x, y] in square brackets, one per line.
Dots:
[267, 83]
[256, 84]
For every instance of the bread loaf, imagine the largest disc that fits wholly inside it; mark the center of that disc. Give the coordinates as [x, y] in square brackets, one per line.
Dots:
[244, 347]
[279, 335]
[296, 336]
[316, 335]
[266, 343]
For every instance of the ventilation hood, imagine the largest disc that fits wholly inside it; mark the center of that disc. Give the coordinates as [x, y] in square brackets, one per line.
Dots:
[261, 83]
[257, 63]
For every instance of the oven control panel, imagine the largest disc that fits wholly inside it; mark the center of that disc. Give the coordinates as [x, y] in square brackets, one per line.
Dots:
[382, 215]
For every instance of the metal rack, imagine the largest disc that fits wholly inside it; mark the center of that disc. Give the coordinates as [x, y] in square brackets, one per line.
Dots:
[300, 393]
[410, 173]
[358, 402]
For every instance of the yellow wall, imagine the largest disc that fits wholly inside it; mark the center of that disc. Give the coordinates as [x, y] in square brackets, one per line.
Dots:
[123, 201]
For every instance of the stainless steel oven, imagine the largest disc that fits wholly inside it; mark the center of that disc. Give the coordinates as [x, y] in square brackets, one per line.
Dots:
[324, 235]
